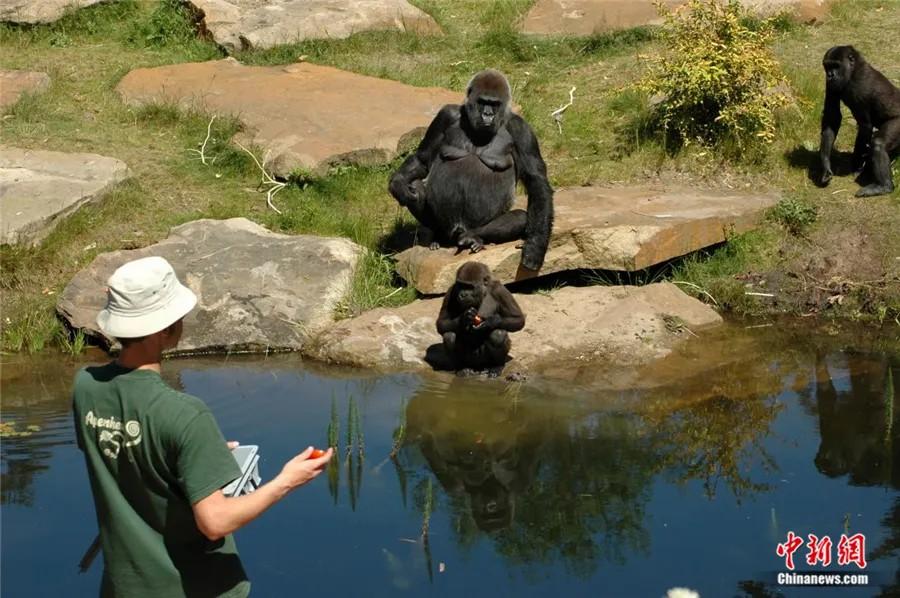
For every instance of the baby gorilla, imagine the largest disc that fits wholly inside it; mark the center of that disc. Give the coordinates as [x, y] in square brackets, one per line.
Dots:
[477, 314]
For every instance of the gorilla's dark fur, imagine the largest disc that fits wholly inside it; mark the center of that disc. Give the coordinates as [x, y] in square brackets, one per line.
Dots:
[477, 314]
[461, 181]
[875, 104]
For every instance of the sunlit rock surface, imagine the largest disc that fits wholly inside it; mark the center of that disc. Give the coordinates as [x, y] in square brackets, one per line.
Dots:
[626, 325]
[39, 11]
[257, 290]
[585, 17]
[15, 83]
[603, 228]
[39, 188]
[302, 116]
[242, 24]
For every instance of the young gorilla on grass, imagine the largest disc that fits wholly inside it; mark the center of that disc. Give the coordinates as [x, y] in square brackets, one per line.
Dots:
[875, 104]
[477, 314]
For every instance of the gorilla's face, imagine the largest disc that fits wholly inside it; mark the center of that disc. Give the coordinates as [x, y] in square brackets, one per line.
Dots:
[487, 102]
[485, 113]
[839, 64]
[469, 294]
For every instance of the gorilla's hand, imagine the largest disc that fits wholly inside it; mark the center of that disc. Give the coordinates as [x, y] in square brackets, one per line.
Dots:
[468, 318]
[472, 242]
[414, 192]
[826, 177]
[489, 323]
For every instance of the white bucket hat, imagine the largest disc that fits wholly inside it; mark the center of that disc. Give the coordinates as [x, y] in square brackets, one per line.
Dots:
[143, 297]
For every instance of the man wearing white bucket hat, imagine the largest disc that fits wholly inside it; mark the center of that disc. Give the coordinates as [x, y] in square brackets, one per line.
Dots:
[156, 458]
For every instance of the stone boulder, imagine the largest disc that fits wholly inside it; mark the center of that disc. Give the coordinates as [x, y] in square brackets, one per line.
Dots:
[602, 228]
[243, 24]
[257, 290]
[40, 188]
[39, 11]
[623, 325]
[305, 116]
[586, 17]
[14, 83]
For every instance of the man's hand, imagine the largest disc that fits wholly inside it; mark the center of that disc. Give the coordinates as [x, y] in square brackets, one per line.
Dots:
[232, 444]
[302, 469]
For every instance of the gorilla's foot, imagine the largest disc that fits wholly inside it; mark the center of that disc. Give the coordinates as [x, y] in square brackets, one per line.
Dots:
[466, 373]
[434, 246]
[873, 190]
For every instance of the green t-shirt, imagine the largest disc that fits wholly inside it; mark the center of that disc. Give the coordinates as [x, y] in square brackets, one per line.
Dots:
[151, 453]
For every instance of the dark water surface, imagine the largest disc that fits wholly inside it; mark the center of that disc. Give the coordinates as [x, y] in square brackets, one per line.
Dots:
[688, 473]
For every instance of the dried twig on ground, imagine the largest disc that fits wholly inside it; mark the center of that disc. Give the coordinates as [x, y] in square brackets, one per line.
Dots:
[267, 179]
[557, 114]
[202, 151]
[699, 288]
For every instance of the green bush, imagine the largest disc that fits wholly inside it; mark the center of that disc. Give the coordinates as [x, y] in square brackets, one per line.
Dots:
[794, 215]
[716, 79]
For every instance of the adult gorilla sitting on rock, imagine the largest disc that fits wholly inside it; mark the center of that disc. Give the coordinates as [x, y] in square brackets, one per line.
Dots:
[461, 181]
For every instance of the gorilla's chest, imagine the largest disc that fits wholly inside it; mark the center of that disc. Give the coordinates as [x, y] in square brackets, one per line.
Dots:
[496, 155]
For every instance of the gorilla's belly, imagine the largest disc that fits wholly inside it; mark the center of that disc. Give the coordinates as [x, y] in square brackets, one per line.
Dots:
[466, 192]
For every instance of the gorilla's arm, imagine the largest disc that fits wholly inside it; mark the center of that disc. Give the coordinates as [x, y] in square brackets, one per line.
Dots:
[405, 184]
[532, 171]
[509, 315]
[831, 124]
[446, 322]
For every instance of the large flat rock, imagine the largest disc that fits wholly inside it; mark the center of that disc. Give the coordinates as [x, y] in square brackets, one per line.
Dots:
[585, 17]
[602, 228]
[304, 115]
[39, 188]
[625, 325]
[39, 11]
[257, 290]
[242, 24]
[14, 83]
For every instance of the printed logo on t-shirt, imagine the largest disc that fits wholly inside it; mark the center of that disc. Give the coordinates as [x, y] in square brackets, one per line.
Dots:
[113, 435]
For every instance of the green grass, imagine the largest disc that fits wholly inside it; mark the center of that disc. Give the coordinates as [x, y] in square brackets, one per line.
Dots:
[602, 141]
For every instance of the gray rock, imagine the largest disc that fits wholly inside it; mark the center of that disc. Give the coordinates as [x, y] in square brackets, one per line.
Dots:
[14, 83]
[610, 325]
[303, 115]
[257, 290]
[602, 228]
[586, 17]
[242, 24]
[39, 11]
[39, 188]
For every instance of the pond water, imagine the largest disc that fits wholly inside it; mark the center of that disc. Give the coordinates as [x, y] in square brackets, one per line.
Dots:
[689, 473]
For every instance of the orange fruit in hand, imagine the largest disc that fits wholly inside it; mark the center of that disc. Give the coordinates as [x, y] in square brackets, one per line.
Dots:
[477, 320]
[316, 454]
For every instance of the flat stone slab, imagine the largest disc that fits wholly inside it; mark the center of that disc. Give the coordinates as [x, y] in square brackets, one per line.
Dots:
[257, 290]
[586, 17]
[304, 115]
[14, 83]
[39, 11]
[625, 325]
[243, 24]
[603, 228]
[40, 188]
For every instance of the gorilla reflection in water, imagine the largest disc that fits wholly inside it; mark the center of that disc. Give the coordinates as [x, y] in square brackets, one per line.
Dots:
[859, 420]
[480, 447]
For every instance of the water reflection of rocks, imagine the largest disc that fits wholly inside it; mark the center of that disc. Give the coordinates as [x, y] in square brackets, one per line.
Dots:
[560, 479]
